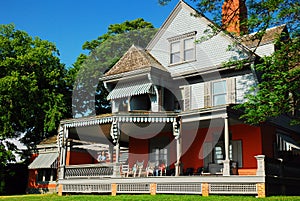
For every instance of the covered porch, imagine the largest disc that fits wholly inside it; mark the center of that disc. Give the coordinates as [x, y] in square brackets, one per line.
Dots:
[126, 139]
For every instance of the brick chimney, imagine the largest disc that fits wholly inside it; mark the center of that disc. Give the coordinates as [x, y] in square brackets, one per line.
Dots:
[233, 13]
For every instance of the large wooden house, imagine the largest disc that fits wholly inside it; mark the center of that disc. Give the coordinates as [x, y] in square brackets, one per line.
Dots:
[172, 103]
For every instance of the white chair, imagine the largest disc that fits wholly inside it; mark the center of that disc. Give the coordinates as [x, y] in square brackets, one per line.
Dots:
[150, 168]
[125, 170]
[139, 168]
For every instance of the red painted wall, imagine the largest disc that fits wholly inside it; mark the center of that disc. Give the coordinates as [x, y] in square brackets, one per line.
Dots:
[139, 150]
[77, 158]
[251, 143]
[192, 153]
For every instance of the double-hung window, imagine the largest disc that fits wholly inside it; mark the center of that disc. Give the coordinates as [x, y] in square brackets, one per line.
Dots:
[219, 93]
[189, 49]
[182, 48]
[175, 52]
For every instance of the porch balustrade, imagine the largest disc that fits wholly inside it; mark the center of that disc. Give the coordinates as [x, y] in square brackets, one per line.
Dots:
[89, 171]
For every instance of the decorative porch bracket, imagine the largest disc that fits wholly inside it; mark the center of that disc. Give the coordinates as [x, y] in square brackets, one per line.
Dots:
[115, 134]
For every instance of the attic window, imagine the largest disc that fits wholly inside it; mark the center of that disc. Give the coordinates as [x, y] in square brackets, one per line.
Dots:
[182, 48]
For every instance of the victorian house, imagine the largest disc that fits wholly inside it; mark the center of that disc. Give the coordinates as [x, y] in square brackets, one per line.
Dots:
[172, 103]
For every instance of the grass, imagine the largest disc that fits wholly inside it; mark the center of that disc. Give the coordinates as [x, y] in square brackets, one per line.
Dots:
[55, 197]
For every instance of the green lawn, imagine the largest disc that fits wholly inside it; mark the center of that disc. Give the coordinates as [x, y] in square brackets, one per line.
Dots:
[140, 197]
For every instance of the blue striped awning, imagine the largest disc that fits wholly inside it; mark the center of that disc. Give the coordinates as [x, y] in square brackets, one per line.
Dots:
[131, 89]
[44, 161]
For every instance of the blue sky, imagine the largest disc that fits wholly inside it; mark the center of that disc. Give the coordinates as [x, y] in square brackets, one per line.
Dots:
[68, 23]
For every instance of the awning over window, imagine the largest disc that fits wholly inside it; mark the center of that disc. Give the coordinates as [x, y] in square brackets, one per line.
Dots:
[44, 161]
[131, 89]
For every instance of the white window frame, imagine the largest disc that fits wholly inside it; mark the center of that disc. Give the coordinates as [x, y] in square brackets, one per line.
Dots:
[41, 176]
[181, 39]
[225, 94]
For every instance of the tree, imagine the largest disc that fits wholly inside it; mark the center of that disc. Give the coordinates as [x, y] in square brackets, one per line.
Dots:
[32, 89]
[89, 95]
[278, 91]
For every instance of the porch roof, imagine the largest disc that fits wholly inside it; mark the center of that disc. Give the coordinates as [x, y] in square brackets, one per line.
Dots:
[131, 89]
[48, 160]
[155, 117]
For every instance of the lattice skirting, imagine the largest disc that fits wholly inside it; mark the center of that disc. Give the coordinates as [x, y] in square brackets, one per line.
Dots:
[176, 188]
[87, 188]
[184, 188]
[133, 188]
[232, 188]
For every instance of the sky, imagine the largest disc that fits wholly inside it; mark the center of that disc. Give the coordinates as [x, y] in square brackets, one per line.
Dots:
[69, 23]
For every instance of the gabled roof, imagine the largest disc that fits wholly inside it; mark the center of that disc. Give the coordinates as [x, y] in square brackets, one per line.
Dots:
[180, 5]
[169, 20]
[134, 59]
[269, 37]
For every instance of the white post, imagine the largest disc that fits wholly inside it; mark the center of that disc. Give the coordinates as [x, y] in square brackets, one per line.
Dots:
[260, 165]
[177, 135]
[63, 153]
[226, 162]
[117, 148]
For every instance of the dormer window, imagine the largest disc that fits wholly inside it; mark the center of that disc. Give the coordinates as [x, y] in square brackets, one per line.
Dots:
[182, 48]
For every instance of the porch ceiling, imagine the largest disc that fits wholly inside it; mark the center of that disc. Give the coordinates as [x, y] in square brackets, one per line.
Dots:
[93, 133]
[144, 130]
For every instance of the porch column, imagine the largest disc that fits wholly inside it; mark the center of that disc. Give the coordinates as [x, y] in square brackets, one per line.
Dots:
[115, 134]
[111, 153]
[226, 162]
[63, 152]
[177, 135]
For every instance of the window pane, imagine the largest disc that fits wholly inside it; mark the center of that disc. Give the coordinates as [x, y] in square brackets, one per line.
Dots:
[220, 99]
[219, 87]
[175, 47]
[47, 174]
[54, 173]
[189, 44]
[175, 57]
[189, 55]
[40, 175]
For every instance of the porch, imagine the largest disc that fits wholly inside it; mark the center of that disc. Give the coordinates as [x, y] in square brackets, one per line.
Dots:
[201, 185]
[108, 179]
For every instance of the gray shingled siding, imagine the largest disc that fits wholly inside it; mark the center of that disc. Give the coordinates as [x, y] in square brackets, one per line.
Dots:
[210, 53]
[243, 86]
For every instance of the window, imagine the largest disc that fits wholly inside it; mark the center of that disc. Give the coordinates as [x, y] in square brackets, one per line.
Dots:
[159, 150]
[46, 175]
[189, 49]
[159, 155]
[218, 154]
[182, 48]
[175, 52]
[219, 93]
[140, 102]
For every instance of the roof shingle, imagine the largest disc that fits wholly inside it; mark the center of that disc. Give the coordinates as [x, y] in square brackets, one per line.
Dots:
[134, 59]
